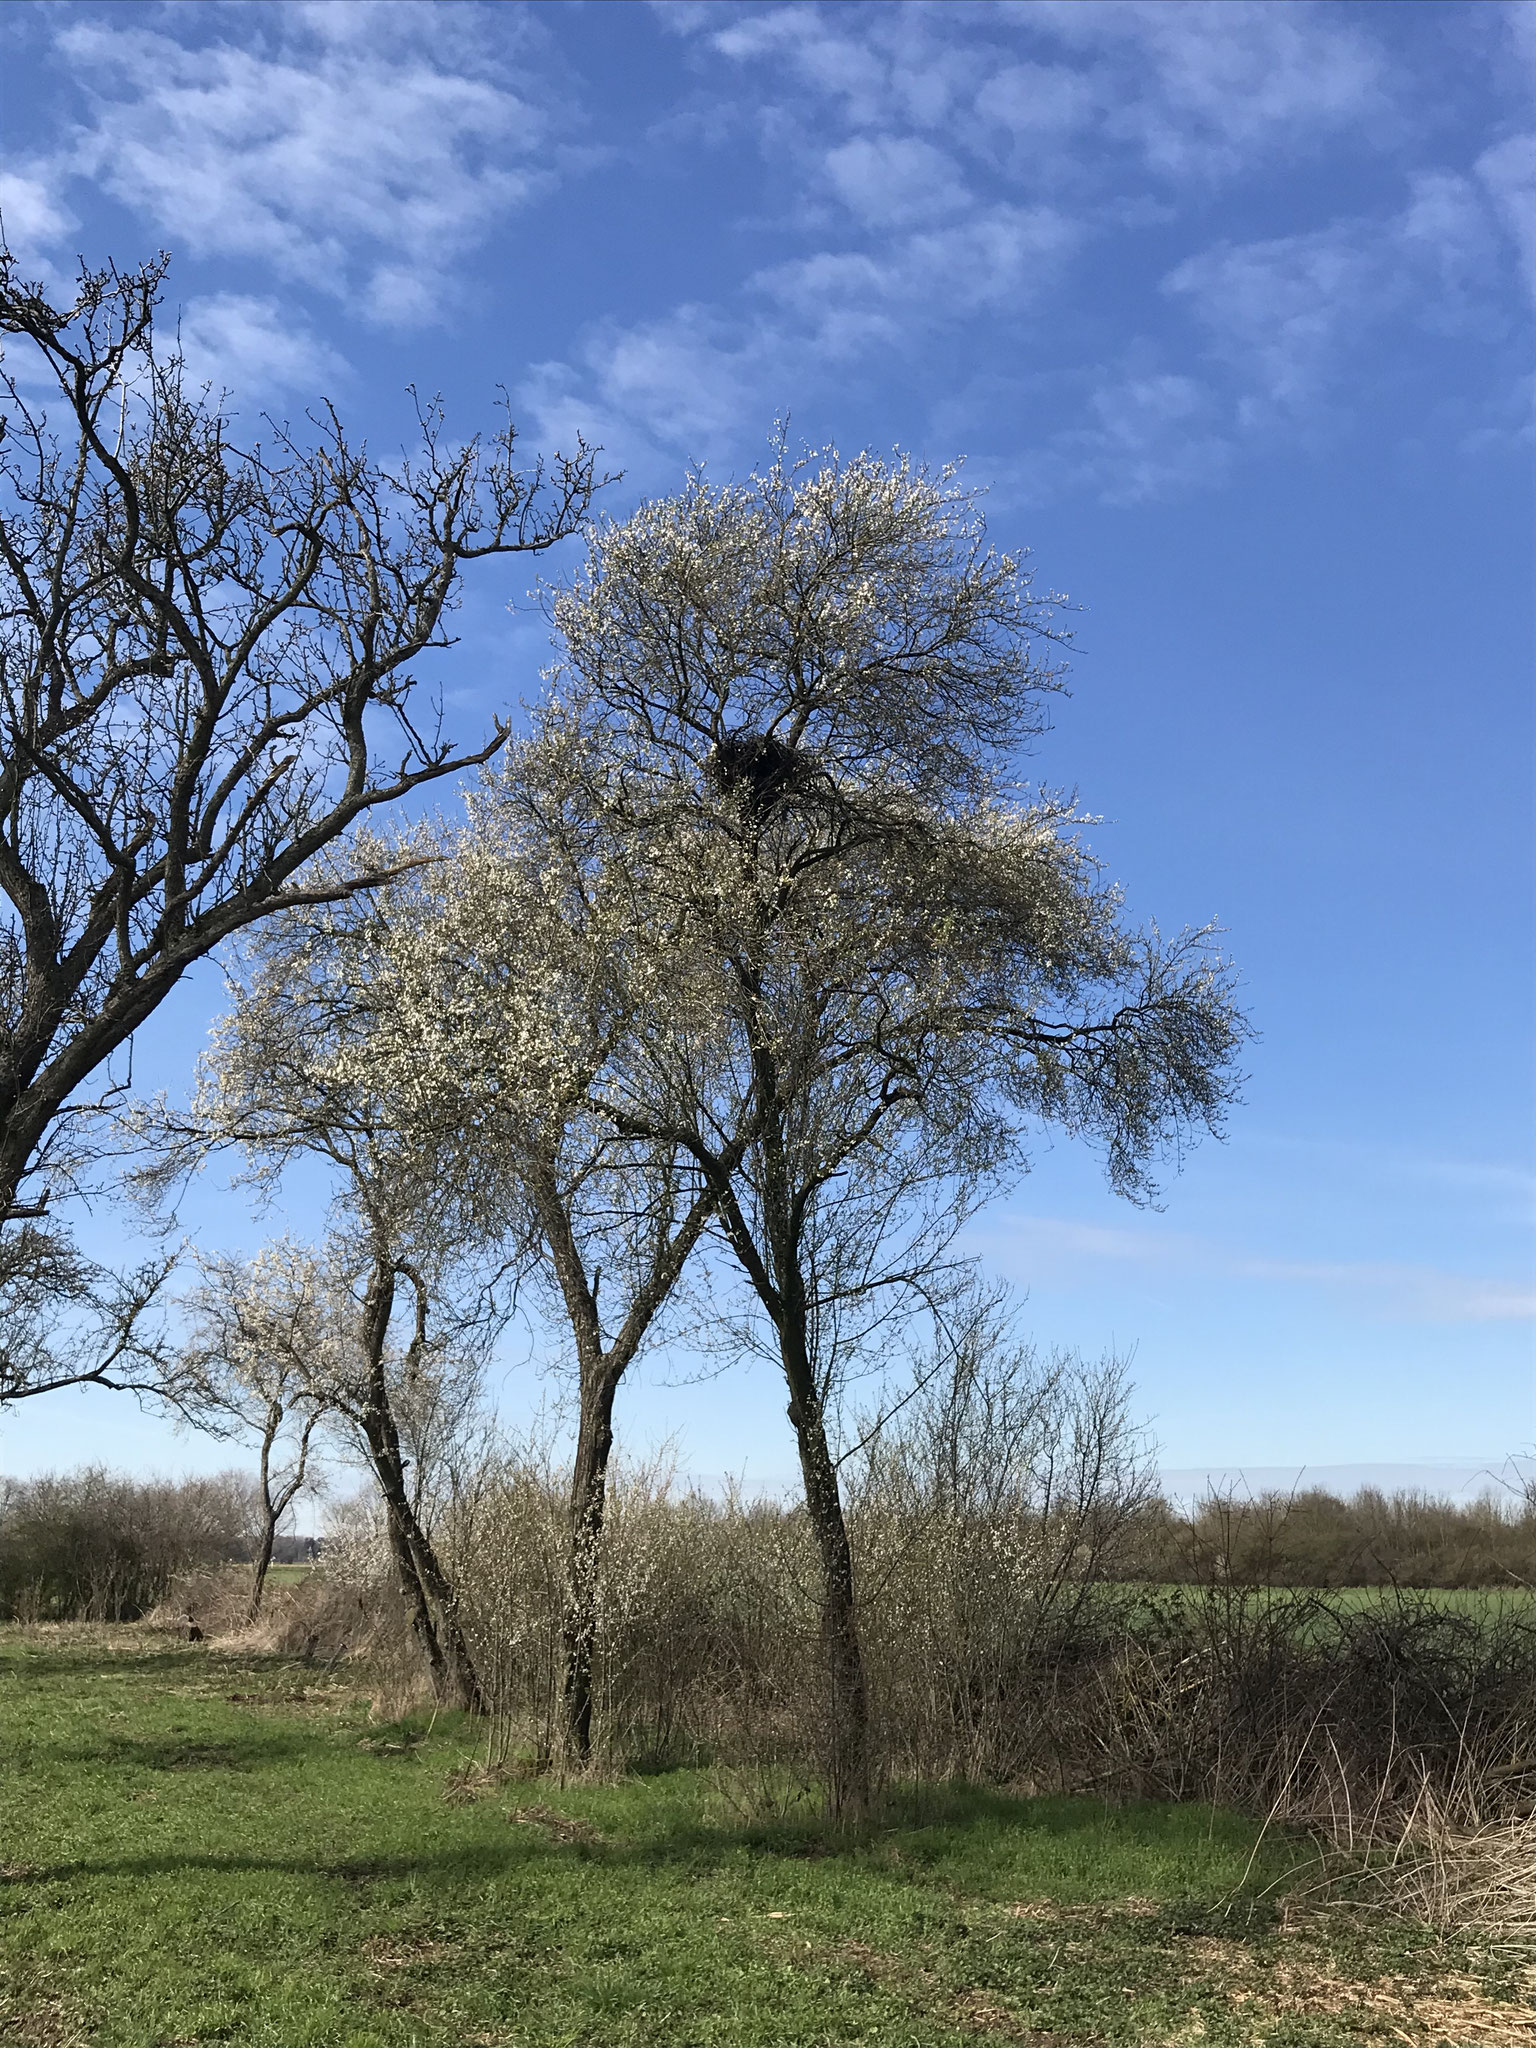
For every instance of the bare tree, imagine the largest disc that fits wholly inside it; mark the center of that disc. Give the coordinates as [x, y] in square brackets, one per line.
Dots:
[66, 1320]
[256, 1365]
[207, 657]
[813, 681]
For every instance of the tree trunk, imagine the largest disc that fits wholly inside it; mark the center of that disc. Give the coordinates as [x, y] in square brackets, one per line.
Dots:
[423, 1582]
[396, 1509]
[269, 1514]
[422, 1579]
[589, 1482]
[848, 1757]
[263, 1563]
[782, 1291]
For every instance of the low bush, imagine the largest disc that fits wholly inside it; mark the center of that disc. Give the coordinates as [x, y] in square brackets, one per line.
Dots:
[993, 1658]
[95, 1546]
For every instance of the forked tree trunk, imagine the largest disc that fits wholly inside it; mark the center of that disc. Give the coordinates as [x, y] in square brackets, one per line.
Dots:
[589, 1483]
[601, 1369]
[423, 1581]
[275, 1506]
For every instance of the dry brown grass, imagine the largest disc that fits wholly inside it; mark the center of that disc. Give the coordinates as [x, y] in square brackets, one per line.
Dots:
[560, 1827]
[1479, 1875]
[1302, 1985]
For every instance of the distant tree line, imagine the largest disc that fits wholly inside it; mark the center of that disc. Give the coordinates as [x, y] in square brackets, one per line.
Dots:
[96, 1545]
[1315, 1538]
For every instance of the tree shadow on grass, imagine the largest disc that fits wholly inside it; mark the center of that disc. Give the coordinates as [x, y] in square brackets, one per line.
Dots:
[469, 1862]
[47, 1664]
[924, 1839]
[259, 1750]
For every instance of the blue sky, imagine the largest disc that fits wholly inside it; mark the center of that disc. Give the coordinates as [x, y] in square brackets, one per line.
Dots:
[1229, 307]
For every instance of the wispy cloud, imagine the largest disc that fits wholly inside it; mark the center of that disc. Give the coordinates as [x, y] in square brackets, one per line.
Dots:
[685, 383]
[1207, 87]
[1145, 433]
[359, 149]
[1508, 170]
[1285, 312]
[950, 186]
[912, 284]
[253, 348]
[35, 218]
[709, 377]
[1198, 90]
[1392, 1290]
[954, 163]
[896, 180]
[1505, 1190]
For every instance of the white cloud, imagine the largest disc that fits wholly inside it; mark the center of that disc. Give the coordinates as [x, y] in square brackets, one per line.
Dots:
[1520, 28]
[895, 180]
[972, 152]
[1193, 90]
[34, 217]
[930, 126]
[1040, 103]
[847, 299]
[708, 380]
[255, 348]
[360, 149]
[690, 384]
[1148, 433]
[891, 67]
[1207, 85]
[1509, 172]
[687, 379]
[1284, 311]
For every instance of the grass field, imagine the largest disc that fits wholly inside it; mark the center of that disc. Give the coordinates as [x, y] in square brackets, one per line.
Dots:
[201, 1847]
[1472, 1600]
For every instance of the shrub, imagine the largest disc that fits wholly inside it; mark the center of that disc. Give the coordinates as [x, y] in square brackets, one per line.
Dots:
[92, 1545]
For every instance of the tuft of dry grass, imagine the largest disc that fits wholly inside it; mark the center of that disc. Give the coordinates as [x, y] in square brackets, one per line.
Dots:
[1479, 1875]
[560, 1827]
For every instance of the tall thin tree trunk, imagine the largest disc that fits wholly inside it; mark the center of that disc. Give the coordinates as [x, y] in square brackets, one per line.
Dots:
[268, 1535]
[396, 1510]
[848, 1759]
[589, 1482]
[785, 1296]
[262, 1564]
[425, 1585]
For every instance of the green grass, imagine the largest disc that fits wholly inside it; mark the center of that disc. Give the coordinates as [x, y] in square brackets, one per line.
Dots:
[1479, 1600]
[198, 1848]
